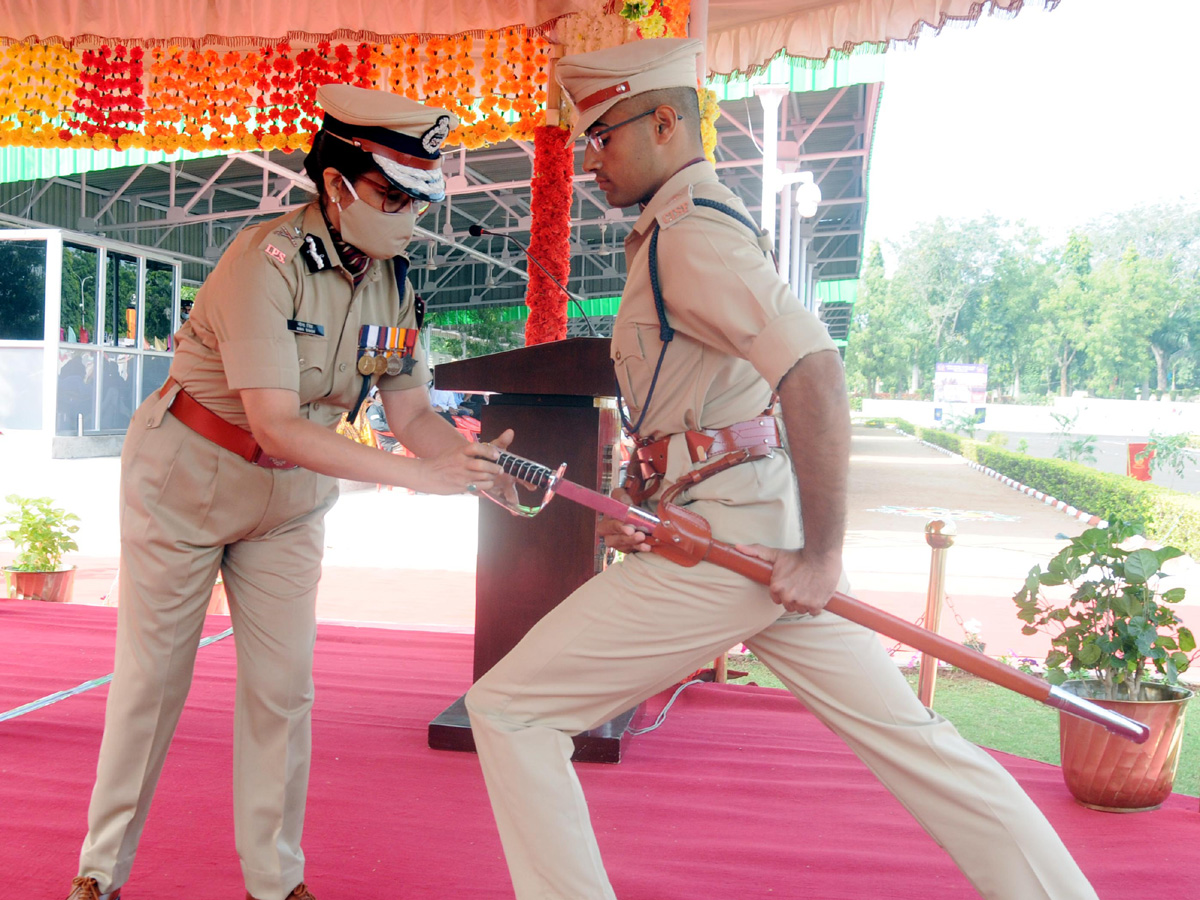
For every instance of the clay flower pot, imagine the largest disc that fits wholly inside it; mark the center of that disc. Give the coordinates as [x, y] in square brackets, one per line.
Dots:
[53, 587]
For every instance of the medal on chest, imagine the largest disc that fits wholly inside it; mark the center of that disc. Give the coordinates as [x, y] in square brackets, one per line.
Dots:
[386, 351]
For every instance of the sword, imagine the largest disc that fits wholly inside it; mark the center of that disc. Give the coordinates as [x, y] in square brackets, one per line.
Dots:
[686, 538]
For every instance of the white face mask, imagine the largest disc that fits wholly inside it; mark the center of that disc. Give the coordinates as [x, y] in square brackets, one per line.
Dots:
[376, 233]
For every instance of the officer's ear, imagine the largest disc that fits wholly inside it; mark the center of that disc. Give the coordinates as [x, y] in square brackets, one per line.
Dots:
[334, 187]
[665, 119]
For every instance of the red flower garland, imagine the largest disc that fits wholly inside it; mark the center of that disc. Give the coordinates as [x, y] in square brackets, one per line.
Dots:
[549, 234]
[109, 97]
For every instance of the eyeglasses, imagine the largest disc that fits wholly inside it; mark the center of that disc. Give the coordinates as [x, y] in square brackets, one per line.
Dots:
[392, 200]
[597, 139]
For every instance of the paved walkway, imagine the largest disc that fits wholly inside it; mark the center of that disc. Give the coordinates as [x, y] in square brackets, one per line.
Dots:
[407, 561]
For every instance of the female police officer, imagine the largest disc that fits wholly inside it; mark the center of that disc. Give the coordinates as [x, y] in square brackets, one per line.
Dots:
[232, 466]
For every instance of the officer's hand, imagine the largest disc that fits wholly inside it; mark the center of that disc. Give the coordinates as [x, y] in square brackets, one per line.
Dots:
[504, 489]
[467, 467]
[799, 583]
[619, 536]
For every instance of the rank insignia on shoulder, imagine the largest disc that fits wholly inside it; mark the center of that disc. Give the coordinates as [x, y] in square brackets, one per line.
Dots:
[287, 233]
[419, 309]
[295, 325]
[314, 254]
[275, 253]
[677, 208]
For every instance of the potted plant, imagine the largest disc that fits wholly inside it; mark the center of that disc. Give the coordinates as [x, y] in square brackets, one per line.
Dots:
[1116, 641]
[41, 534]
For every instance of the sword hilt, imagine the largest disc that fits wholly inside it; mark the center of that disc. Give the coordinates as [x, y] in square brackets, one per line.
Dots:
[527, 470]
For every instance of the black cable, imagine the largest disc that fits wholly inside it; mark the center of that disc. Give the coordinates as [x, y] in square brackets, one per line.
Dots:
[479, 230]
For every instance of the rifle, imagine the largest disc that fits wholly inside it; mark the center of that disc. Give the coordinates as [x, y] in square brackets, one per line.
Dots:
[686, 539]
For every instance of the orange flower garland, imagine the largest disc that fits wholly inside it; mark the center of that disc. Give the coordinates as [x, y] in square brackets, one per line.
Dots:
[172, 98]
[549, 235]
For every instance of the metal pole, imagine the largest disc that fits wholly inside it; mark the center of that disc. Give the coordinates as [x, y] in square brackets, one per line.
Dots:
[770, 95]
[939, 535]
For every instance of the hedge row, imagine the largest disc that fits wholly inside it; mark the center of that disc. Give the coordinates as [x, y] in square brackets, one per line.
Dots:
[1171, 517]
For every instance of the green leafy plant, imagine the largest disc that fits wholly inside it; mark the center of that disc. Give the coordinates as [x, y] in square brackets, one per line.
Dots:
[1071, 447]
[964, 424]
[40, 532]
[1168, 451]
[1116, 622]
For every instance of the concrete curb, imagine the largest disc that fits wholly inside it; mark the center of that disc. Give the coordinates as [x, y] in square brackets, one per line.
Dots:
[1091, 520]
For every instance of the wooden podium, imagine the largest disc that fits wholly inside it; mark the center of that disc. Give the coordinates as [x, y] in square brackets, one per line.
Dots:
[552, 396]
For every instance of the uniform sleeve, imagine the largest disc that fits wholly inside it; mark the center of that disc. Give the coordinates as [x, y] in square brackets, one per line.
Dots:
[249, 300]
[421, 373]
[720, 289]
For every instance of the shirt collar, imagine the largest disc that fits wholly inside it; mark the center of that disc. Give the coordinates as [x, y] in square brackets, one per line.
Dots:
[697, 173]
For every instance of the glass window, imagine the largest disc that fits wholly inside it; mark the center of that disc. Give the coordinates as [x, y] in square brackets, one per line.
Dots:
[80, 291]
[22, 290]
[154, 373]
[118, 390]
[121, 301]
[160, 305]
[76, 403]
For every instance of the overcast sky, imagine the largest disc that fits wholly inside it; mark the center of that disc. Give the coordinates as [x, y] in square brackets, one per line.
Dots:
[1052, 117]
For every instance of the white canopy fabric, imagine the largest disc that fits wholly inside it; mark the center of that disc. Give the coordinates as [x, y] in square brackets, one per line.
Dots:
[245, 22]
[744, 35]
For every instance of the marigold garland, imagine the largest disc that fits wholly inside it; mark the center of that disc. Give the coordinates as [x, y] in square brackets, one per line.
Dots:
[710, 111]
[172, 98]
[549, 235]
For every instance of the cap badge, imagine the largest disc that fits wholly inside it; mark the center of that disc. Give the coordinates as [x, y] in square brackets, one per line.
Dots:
[432, 139]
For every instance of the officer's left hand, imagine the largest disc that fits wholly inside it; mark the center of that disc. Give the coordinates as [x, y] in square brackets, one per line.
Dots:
[799, 583]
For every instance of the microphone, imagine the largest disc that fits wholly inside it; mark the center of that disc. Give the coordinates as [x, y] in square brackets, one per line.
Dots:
[479, 231]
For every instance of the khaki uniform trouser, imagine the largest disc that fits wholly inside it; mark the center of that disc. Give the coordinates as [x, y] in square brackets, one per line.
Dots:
[188, 510]
[644, 624]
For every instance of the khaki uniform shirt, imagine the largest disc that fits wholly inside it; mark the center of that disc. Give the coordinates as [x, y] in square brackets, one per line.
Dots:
[273, 315]
[738, 327]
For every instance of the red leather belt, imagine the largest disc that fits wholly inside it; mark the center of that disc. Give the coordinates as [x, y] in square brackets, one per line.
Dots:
[206, 423]
[758, 436]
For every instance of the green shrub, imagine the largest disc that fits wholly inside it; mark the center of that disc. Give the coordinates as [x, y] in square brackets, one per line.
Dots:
[944, 439]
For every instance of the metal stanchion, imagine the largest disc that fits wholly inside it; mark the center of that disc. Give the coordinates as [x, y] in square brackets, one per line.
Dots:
[939, 534]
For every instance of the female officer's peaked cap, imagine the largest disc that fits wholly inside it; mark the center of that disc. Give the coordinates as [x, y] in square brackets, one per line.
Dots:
[597, 81]
[404, 137]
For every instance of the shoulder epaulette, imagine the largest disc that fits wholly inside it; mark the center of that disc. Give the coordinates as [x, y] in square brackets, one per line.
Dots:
[281, 239]
[677, 208]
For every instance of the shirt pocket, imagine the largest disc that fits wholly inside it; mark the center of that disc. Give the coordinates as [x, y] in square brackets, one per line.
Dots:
[312, 353]
[629, 345]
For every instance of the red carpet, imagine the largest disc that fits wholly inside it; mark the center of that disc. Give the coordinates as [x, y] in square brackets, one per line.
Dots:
[740, 794]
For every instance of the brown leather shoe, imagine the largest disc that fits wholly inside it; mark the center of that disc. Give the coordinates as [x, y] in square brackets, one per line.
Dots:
[299, 892]
[88, 889]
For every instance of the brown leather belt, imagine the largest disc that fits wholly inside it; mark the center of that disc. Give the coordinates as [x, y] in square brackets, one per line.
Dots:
[206, 423]
[758, 436]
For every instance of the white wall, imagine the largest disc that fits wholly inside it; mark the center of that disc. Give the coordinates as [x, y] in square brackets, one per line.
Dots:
[1131, 418]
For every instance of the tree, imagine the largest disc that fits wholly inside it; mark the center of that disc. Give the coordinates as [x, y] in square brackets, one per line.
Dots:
[1068, 311]
[1002, 325]
[882, 336]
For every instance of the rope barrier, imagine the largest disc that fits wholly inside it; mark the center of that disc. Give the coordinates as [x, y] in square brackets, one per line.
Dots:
[43, 702]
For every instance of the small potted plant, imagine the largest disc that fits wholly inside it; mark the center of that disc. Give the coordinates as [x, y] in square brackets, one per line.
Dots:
[41, 534]
[1116, 641]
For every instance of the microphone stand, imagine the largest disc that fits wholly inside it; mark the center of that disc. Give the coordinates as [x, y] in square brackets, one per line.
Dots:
[479, 230]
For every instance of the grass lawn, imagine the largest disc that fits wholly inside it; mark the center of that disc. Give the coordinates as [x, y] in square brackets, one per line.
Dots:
[994, 717]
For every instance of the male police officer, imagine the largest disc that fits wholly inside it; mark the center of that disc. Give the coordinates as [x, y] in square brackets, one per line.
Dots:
[643, 624]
